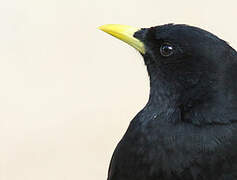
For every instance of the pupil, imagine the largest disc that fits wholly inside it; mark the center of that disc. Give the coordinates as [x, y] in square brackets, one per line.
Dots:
[166, 50]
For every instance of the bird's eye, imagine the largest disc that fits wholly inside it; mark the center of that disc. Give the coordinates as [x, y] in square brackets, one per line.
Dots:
[166, 49]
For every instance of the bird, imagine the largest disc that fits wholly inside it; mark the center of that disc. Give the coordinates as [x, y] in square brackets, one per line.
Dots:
[188, 128]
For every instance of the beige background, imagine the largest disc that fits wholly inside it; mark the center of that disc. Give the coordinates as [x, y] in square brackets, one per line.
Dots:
[68, 90]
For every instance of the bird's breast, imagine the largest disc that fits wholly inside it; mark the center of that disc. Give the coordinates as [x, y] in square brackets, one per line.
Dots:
[148, 151]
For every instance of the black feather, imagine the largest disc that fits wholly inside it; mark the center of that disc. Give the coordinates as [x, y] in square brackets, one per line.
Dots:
[188, 129]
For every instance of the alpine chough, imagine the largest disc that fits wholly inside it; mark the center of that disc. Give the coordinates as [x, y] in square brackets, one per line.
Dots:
[188, 128]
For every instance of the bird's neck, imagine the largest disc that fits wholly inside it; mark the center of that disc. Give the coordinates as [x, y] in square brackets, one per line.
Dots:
[163, 102]
[164, 95]
[162, 99]
[202, 109]
[215, 110]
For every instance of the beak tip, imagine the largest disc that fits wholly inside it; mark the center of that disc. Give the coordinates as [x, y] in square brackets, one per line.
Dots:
[100, 28]
[104, 27]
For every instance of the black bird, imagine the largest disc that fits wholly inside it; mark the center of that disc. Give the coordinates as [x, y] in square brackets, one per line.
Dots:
[188, 128]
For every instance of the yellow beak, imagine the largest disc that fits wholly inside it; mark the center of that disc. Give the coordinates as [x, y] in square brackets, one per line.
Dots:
[124, 33]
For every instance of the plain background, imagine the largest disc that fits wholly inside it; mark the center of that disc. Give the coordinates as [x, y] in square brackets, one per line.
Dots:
[68, 90]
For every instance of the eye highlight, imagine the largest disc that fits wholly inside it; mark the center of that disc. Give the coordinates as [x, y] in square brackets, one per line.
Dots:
[166, 49]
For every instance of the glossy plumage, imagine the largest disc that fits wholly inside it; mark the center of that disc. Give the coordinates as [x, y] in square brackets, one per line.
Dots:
[188, 129]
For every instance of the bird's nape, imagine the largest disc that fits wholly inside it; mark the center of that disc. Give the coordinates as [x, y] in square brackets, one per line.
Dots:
[188, 128]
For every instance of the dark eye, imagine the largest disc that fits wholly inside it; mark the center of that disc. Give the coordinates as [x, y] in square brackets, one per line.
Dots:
[166, 49]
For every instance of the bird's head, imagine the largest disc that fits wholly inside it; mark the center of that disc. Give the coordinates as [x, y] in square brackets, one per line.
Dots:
[187, 66]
